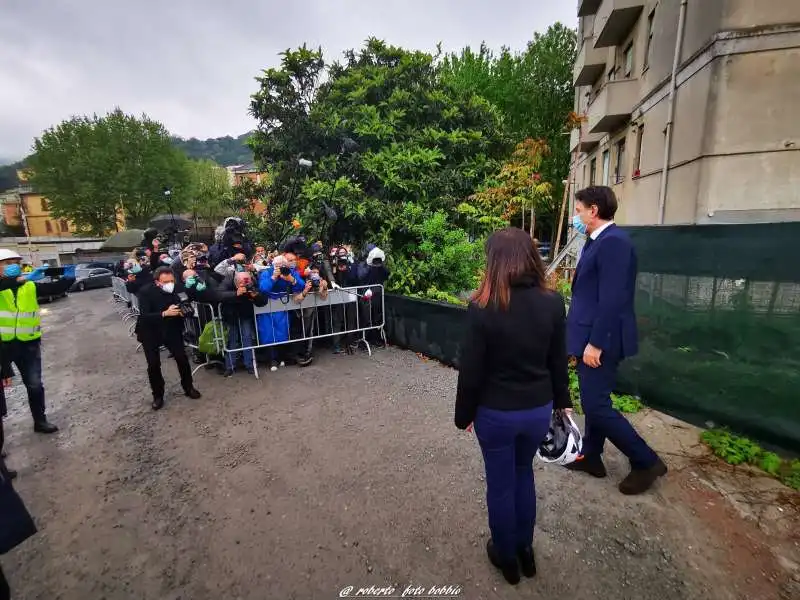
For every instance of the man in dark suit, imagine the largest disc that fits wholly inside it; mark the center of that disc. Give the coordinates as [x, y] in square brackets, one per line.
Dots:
[601, 332]
[160, 323]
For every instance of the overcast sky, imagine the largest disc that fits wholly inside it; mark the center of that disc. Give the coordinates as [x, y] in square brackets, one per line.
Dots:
[190, 63]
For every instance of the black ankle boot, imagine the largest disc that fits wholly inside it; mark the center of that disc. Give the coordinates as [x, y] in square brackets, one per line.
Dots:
[527, 561]
[510, 569]
[158, 403]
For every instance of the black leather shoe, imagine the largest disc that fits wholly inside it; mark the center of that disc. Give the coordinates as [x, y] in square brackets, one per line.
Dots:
[44, 427]
[509, 569]
[158, 403]
[527, 561]
[193, 394]
[592, 466]
[639, 481]
[304, 360]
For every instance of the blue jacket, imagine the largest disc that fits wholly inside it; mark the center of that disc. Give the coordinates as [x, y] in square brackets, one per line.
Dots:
[279, 287]
[603, 292]
[274, 327]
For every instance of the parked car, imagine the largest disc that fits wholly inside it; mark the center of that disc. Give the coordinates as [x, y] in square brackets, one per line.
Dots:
[103, 264]
[86, 279]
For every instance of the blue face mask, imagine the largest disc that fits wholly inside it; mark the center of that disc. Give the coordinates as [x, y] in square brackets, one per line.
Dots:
[136, 269]
[200, 286]
[166, 261]
[12, 270]
[579, 225]
[191, 282]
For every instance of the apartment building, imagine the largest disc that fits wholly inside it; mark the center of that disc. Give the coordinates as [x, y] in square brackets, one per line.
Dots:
[709, 88]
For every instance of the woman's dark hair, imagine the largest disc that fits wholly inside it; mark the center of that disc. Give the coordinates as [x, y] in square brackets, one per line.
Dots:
[511, 256]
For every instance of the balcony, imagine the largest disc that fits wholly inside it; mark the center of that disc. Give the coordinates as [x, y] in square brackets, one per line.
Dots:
[588, 7]
[585, 142]
[590, 64]
[613, 106]
[614, 21]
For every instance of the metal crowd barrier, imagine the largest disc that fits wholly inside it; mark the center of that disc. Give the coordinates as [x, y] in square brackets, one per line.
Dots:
[126, 304]
[346, 315]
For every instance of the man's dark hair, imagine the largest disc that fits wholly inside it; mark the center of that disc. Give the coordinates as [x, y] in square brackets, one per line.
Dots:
[600, 196]
[161, 271]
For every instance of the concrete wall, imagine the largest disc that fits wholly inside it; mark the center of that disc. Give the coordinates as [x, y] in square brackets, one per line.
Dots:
[735, 134]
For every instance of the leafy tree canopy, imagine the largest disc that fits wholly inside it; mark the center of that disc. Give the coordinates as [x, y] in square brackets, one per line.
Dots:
[90, 168]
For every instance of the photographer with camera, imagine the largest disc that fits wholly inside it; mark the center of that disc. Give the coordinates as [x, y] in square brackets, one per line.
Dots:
[160, 322]
[279, 282]
[237, 312]
[315, 284]
[138, 273]
[233, 241]
[344, 315]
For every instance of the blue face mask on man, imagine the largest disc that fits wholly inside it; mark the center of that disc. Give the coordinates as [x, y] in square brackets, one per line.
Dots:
[136, 268]
[579, 225]
[12, 270]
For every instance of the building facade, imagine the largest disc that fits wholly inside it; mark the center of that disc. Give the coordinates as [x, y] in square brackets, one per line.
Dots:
[705, 87]
[27, 210]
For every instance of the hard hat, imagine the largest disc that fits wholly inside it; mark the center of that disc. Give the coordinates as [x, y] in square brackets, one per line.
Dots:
[6, 254]
[563, 442]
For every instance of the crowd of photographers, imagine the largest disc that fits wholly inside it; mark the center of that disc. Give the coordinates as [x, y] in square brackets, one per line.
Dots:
[236, 275]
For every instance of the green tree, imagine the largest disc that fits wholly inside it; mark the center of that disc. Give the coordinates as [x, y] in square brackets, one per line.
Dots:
[210, 194]
[90, 168]
[533, 90]
[418, 143]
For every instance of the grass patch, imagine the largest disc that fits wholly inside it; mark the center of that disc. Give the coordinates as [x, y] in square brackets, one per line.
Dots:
[737, 450]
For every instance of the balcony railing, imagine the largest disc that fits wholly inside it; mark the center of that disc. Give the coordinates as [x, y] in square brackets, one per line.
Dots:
[588, 7]
[613, 106]
[614, 21]
[585, 142]
[590, 64]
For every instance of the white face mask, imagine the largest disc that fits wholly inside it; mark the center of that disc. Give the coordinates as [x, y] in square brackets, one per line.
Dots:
[168, 287]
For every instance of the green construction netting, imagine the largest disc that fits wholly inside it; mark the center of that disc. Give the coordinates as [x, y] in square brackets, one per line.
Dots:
[719, 326]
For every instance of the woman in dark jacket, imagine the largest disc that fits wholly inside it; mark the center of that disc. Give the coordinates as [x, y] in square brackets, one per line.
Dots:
[512, 375]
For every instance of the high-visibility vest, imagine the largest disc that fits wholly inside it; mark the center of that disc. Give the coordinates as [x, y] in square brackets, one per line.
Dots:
[19, 317]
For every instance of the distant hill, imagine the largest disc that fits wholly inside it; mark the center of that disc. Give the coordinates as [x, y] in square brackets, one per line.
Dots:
[225, 151]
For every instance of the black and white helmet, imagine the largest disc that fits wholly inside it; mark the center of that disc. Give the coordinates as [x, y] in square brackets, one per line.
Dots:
[563, 442]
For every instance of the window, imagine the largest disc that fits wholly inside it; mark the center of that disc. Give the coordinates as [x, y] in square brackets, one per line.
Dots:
[592, 170]
[48, 226]
[627, 57]
[45, 205]
[583, 181]
[606, 167]
[64, 225]
[648, 49]
[619, 171]
[637, 160]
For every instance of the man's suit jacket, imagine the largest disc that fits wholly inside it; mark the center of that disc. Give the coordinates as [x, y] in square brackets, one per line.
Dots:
[602, 307]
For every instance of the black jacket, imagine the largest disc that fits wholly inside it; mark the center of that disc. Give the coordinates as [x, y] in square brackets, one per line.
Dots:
[517, 359]
[239, 307]
[151, 327]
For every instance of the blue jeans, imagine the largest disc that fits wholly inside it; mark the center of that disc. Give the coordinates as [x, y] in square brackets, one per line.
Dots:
[509, 440]
[27, 356]
[604, 422]
[241, 334]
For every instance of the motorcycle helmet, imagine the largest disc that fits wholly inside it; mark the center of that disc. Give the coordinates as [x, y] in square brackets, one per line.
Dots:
[563, 442]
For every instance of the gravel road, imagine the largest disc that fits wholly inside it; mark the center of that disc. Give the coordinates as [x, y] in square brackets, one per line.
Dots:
[346, 473]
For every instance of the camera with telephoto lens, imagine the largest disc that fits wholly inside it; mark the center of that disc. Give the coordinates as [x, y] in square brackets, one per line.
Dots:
[186, 306]
[315, 281]
[286, 271]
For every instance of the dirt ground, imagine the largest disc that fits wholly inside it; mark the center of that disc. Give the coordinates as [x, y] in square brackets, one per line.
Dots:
[347, 473]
